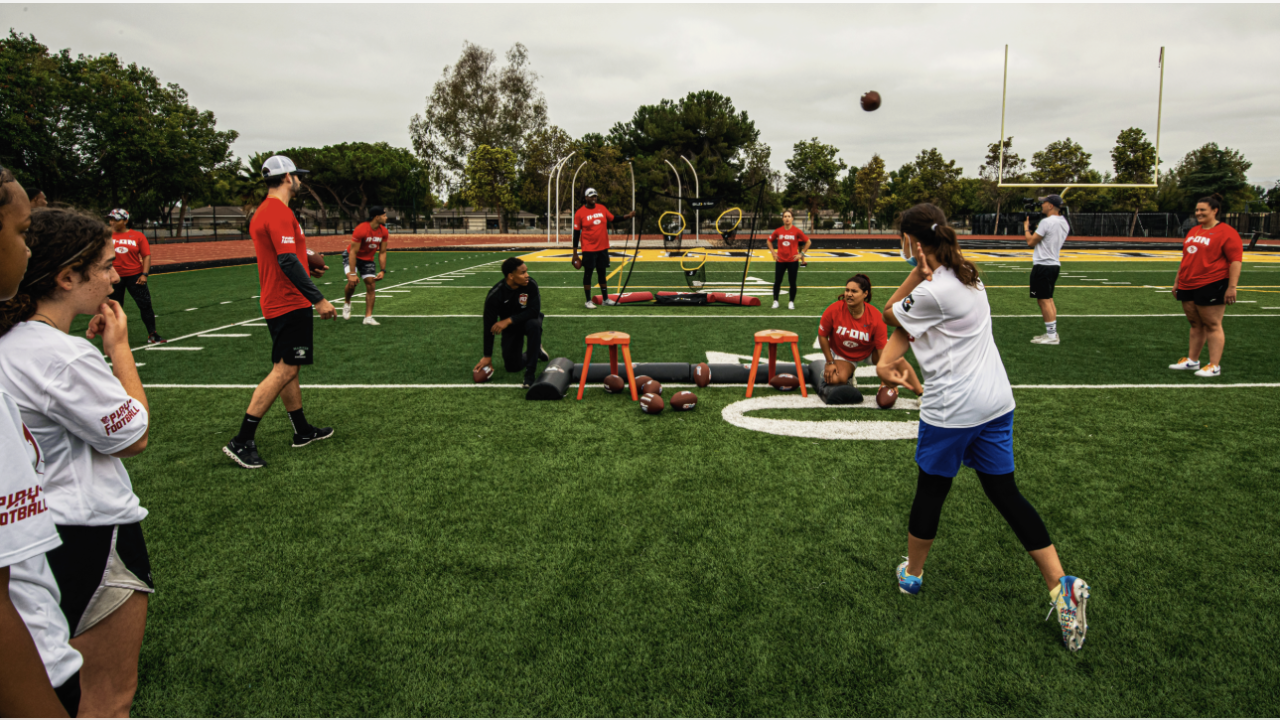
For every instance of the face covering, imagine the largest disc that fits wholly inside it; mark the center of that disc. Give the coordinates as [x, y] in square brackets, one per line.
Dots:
[910, 260]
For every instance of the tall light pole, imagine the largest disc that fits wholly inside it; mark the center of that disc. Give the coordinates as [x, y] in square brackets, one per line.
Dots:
[559, 170]
[550, 175]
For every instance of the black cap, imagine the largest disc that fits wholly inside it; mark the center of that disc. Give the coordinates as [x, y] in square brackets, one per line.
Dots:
[1054, 200]
[375, 211]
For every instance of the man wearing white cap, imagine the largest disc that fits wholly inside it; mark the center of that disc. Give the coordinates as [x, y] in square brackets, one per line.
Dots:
[591, 226]
[288, 296]
[1047, 241]
[133, 265]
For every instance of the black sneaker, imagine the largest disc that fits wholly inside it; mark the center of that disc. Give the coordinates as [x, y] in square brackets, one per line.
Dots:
[528, 379]
[244, 453]
[542, 353]
[155, 339]
[311, 436]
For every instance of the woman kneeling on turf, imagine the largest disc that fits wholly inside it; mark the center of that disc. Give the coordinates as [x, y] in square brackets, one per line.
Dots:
[852, 332]
[967, 415]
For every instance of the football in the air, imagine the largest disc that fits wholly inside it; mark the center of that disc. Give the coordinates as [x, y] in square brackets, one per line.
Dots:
[653, 387]
[684, 400]
[613, 384]
[786, 382]
[871, 101]
[886, 397]
[484, 374]
[315, 264]
[702, 375]
[651, 404]
[642, 380]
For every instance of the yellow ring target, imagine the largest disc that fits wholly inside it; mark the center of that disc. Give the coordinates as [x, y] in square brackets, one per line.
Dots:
[701, 258]
[662, 223]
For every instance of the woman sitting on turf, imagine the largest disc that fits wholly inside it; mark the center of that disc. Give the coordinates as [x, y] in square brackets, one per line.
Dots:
[787, 256]
[967, 415]
[852, 332]
[85, 416]
[1212, 256]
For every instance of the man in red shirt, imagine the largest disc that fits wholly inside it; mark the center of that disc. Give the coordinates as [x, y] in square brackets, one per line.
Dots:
[368, 238]
[133, 264]
[287, 299]
[591, 226]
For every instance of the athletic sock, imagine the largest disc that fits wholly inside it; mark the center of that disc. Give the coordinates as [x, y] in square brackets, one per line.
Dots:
[300, 424]
[1051, 327]
[248, 428]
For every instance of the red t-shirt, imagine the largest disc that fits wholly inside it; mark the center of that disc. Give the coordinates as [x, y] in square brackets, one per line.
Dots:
[275, 230]
[1207, 255]
[788, 243]
[131, 247]
[594, 225]
[853, 339]
[370, 240]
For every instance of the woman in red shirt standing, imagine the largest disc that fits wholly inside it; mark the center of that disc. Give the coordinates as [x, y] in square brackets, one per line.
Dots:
[1212, 255]
[792, 244]
[853, 332]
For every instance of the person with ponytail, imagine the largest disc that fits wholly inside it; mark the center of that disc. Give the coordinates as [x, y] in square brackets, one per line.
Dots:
[852, 332]
[966, 413]
[84, 416]
[1212, 255]
[787, 256]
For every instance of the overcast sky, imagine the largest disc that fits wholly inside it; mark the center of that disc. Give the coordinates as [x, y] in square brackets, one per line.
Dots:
[314, 74]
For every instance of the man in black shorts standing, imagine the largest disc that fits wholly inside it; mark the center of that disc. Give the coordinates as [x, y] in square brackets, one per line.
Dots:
[1047, 243]
[287, 299]
[513, 309]
[591, 226]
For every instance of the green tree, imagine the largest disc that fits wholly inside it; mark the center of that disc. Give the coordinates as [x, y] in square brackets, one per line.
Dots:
[813, 172]
[756, 167]
[491, 180]
[1209, 169]
[539, 154]
[1061, 163]
[478, 103]
[991, 174]
[869, 184]
[935, 179]
[1134, 160]
[351, 176]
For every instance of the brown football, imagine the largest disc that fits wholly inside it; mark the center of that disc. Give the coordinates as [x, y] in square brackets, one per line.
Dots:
[684, 400]
[577, 262]
[315, 264]
[702, 375]
[653, 387]
[642, 380]
[614, 384]
[785, 382]
[871, 101]
[483, 375]
[651, 404]
[886, 397]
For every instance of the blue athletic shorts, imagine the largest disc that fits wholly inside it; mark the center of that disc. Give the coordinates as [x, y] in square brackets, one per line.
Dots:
[987, 448]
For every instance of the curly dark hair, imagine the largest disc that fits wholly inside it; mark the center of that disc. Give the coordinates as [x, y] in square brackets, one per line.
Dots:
[58, 238]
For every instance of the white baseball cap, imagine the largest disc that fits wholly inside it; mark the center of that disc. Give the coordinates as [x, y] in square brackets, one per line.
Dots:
[278, 165]
[591, 192]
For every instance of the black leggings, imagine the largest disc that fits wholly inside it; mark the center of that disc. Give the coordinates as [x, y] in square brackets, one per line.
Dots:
[600, 275]
[931, 492]
[790, 269]
[141, 295]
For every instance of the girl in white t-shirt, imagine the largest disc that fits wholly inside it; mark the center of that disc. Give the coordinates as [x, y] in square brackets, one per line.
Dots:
[84, 416]
[966, 412]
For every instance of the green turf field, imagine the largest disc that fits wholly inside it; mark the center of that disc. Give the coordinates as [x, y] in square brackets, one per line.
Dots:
[458, 550]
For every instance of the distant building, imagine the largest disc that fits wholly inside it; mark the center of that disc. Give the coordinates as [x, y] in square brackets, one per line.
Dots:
[473, 219]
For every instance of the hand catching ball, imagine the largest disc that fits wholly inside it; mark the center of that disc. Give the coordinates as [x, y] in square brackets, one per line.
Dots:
[871, 101]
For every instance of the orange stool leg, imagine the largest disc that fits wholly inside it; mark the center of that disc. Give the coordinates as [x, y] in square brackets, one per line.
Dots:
[773, 359]
[586, 365]
[631, 374]
[795, 353]
[751, 375]
[613, 359]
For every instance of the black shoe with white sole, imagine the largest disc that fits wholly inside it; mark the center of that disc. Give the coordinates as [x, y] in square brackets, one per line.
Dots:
[244, 453]
[311, 436]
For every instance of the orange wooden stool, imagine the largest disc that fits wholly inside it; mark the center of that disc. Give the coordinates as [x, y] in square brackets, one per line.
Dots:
[613, 340]
[775, 338]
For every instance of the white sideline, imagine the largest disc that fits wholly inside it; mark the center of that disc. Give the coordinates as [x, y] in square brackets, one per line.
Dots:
[436, 386]
[810, 317]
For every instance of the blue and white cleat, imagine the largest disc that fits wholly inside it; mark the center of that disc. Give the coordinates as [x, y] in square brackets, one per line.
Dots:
[1069, 600]
[909, 584]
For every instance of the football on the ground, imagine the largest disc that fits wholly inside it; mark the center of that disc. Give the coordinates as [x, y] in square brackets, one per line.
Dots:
[484, 374]
[886, 397]
[642, 380]
[786, 382]
[653, 387]
[684, 400]
[651, 404]
[614, 384]
[702, 375]
[315, 264]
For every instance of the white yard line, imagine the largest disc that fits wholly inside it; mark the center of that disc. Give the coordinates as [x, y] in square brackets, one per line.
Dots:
[152, 348]
[223, 335]
[810, 317]
[459, 386]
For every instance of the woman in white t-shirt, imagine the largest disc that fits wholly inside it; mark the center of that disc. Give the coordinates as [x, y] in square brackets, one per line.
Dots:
[33, 631]
[84, 416]
[966, 412]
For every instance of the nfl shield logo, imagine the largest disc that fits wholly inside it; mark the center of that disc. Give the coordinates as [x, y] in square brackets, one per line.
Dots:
[524, 299]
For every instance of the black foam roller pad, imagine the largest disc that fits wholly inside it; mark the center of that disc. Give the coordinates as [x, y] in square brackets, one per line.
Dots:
[599, 371]
[553, 382]
[666, 372]
[816, 372]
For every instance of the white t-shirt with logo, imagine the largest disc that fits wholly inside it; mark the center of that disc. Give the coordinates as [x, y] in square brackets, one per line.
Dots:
[1054, 229]
[27, 532]
[965, 384]
[79, 414]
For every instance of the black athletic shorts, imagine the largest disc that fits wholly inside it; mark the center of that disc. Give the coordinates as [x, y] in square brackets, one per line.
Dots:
[595, 260]
[291, 337]
[364, 268]
[98, 568]
[1043, 278]
[1215, 293]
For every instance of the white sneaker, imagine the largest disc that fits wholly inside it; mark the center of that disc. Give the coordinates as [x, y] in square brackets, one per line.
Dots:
[590, 305]
[791, 306]
[775, 304]
[610, 301]
[1045, 339]
[1209, 370]
[370, 321]
[346, 311]
[1185, 364]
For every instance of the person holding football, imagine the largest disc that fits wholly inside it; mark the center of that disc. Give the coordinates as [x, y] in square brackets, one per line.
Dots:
[852, 332]
[591, 227]
[787, 256]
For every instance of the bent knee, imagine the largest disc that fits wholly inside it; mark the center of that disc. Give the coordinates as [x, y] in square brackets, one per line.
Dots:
[534, 324]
